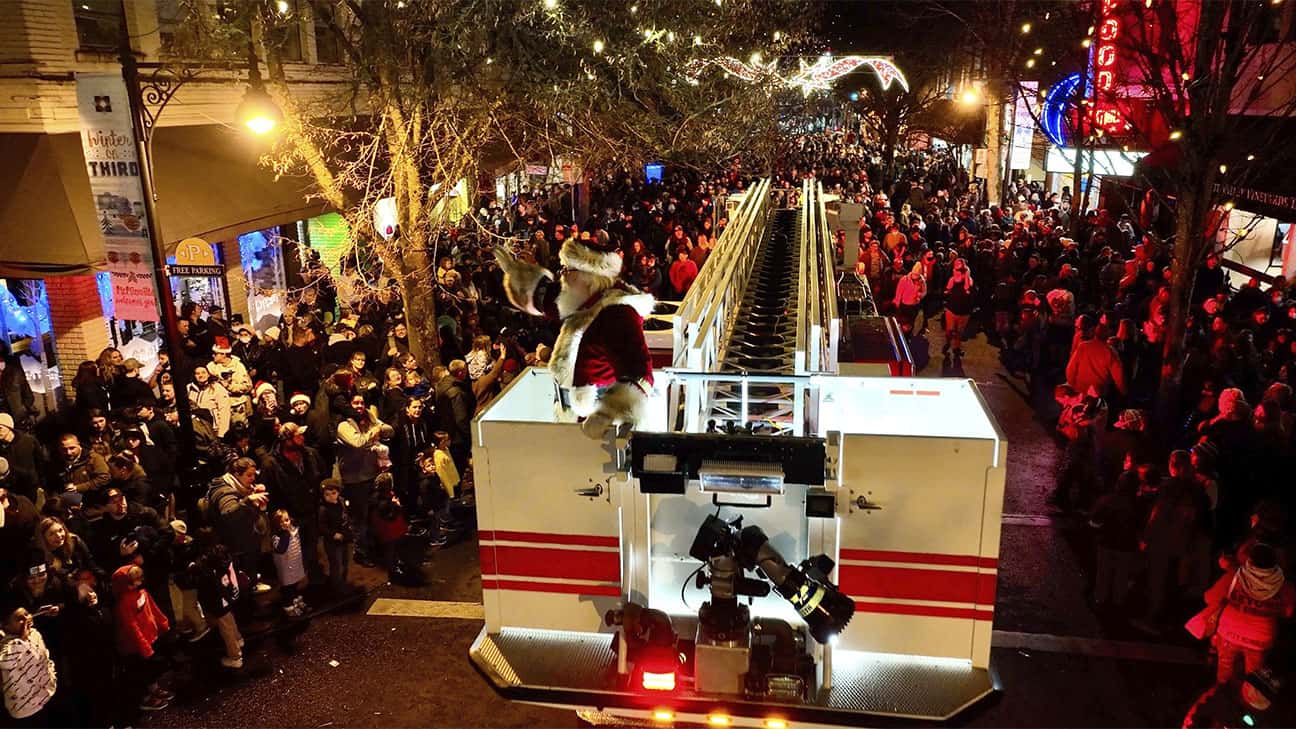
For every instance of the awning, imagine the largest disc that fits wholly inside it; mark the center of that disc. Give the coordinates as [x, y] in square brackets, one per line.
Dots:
[47, 219]
[211, 185]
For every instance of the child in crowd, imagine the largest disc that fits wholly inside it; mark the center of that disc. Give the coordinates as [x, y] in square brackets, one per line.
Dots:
[286, 544]
[335, 528]
[386, 519]
[140, 624]
[218, 593]
[182, 586]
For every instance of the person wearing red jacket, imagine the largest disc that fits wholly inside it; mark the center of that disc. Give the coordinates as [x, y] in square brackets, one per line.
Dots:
[683, 272]
[139, 624]
[1094, 363]
[1253, 599]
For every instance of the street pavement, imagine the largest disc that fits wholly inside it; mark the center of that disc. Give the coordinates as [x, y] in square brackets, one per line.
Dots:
[1059, 663]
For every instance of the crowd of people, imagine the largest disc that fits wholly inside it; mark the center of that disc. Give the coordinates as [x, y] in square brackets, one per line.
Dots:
[1187, 500]
[316, 443]
[322, 441]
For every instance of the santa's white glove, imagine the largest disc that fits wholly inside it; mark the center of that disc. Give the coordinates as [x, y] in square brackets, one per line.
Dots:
[520, 280]
[596, 426]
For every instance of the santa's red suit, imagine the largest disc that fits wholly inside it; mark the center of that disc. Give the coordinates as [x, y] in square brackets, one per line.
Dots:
[600, 360]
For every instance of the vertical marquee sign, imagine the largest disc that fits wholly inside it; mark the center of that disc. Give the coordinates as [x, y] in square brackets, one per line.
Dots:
[1106, 115]
[108, 143]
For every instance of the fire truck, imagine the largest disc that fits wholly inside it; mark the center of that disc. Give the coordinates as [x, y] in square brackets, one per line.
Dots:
[777, 543]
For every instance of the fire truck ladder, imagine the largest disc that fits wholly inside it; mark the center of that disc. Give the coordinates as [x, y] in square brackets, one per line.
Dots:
[765, 317]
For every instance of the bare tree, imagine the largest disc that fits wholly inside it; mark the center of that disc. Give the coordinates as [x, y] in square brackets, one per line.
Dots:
[436, 88]
[1204, 76]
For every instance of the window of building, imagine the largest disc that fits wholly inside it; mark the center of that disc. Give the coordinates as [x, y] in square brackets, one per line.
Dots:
[327, 47]
[169, 15]
[284, 35]
[98, 24]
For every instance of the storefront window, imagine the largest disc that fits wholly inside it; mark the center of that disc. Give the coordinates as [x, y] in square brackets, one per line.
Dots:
[25, 328]
[262, 255]
[98, 24]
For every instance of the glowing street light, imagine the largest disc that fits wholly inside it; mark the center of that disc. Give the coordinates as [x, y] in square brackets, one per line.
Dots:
[258, 112]
[598, 46]
[969, 97]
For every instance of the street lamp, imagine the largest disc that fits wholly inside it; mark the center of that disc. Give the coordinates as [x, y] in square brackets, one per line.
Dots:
[258, 112]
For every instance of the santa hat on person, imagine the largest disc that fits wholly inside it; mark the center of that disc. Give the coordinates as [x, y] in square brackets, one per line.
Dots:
[299, 397]
[263, 388]
[597, 255]
[222, 346]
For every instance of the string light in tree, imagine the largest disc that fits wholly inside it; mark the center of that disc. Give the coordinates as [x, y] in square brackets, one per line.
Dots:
[818, 76]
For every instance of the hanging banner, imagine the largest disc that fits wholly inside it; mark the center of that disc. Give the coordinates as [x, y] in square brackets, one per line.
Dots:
[1023, 126]
[108, 143]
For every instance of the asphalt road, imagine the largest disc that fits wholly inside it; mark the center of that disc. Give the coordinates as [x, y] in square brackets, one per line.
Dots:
[1059, 663]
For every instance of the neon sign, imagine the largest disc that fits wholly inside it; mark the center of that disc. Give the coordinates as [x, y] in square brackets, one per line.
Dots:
[1057, 104]
[1105, 114]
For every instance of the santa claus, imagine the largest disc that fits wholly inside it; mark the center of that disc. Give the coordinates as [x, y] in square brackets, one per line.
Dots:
[600, 361]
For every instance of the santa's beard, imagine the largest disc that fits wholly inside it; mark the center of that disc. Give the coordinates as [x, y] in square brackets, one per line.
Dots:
[577, 288]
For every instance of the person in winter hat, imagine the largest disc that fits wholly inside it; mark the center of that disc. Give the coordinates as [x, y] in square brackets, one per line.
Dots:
[600, 361]
[1254, 598]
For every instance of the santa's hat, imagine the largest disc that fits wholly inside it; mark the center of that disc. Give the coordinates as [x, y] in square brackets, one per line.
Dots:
[598, 255]
[221, 346]
[263, 388]
[299, 397]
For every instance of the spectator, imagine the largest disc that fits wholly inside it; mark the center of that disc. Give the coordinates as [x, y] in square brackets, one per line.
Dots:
[1251, 601]
[910, 292]
[682, 273]
[293, 472]
[27, 458]
[959, 303]
[287, 546]
[139, 626]
[80, 471]
[218, 589]
[18, 400]
[208, 393]
[336, 530]
[1094, 364]
[26, 670]
[456, 404]
[359, 438]
[236, 507]
[1178, 514]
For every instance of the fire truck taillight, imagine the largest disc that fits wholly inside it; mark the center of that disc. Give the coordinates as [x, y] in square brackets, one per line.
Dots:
[775, 723]
[663, 715]
[659, 681]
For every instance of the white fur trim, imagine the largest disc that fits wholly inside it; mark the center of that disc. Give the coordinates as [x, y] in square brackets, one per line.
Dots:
[574, 254]
[520, 282]
[622, 403]
[562, 361]
[584, 400]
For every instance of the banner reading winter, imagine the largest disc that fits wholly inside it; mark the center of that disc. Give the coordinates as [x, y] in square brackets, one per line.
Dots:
[108, 143]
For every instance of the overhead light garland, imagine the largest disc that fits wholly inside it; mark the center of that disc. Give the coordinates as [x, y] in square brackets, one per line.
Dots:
[818, 76]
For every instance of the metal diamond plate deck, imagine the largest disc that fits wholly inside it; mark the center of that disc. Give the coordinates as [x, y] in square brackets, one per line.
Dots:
[863, 683]
[911, 687]
[549, 659]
